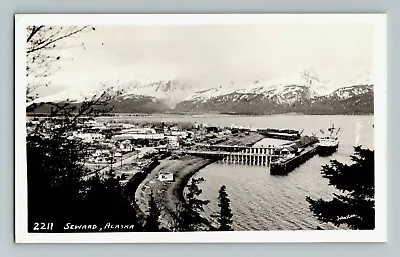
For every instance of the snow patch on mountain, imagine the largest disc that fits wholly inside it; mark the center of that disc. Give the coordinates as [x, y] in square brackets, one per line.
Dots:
[362, 84]
[171, 91]
[286, 88]
[351, 91]
[204, 95]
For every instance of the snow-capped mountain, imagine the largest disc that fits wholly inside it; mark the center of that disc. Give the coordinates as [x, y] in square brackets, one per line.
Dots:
[361, 85]
[351, 91]
[170, 91]
[282, 85]
[302, 92]
[204, 95]
[296, 92]
[284, 89]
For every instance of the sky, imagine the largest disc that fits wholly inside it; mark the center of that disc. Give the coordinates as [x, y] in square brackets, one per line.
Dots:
[210, 55]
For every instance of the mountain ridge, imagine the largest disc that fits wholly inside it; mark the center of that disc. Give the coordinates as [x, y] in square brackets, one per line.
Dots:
[301, 92]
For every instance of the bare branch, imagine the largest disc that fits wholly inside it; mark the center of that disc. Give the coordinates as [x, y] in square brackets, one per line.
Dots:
[33, 30]
[41, 59]
[42, 45]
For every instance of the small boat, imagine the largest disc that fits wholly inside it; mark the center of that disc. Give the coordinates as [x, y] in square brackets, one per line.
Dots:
[328, 142]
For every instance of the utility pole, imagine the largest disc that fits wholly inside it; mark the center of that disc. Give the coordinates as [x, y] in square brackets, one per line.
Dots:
[112, 159]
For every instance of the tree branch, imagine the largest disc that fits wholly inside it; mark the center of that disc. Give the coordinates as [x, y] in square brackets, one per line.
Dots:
[33, 32]
[55, 40]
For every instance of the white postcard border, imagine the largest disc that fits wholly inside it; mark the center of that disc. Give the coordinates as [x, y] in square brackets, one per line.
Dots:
[380, 133]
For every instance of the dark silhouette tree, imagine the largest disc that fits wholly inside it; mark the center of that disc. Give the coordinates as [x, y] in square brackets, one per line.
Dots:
[188, 216]
[153, 219]
[54, 179]
[105, 202]
[225, 212]
[355, 207]
[181, 218]
[60, 188]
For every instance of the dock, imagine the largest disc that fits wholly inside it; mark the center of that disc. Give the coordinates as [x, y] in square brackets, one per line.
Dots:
[281, 159]
[283, 166]
[284, 134]
[255, 156]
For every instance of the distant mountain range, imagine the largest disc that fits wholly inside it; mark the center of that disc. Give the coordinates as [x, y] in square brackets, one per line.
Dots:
[302, 92]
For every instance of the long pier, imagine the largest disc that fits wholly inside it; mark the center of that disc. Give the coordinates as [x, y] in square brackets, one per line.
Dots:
[237, 148]
[280, 162]
[282, 159]
[249, 156]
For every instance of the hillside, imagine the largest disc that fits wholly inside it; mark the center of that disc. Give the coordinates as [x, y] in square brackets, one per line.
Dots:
[302, 92]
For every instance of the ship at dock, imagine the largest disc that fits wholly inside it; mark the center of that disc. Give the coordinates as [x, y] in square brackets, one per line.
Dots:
[290, 161]
[328, 142]
[294, 154]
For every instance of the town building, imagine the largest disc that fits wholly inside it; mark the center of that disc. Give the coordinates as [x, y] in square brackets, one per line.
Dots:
[88, 137]
[139, 131]
[126, 146]
[166, 176]
[123, 137]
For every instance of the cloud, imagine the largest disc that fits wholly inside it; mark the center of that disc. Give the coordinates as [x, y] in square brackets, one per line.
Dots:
[212, 55]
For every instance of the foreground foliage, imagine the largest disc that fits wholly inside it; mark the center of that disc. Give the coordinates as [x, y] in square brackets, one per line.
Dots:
[355, 207]
[188, 215]
[225, 214]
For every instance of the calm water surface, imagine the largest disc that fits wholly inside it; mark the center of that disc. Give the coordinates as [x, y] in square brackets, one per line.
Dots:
[260, 201]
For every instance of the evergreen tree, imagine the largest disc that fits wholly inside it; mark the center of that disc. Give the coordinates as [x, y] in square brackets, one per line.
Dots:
[355, 207]
[180, 218]
[196, 204]
[225, 213]
[188, 217]
[105, 202]
[54, 177]
[153, 219]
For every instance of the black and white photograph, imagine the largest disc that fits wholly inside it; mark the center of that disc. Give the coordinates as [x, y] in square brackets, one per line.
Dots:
[171, 128]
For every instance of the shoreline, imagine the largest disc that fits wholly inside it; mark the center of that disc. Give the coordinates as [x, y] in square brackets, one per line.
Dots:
[168, 194]
[179, 187]
[177, 191]
[156, 114]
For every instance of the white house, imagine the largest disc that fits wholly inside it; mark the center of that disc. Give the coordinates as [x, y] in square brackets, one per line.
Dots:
[173, 141]
[181, 134]
[88, 137]
[167, 176]
[126, 146]
[173, 144]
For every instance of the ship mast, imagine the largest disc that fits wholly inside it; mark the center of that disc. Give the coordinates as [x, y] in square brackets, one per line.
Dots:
[332, 129]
